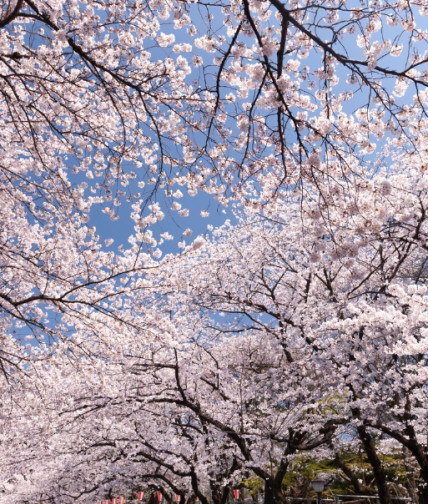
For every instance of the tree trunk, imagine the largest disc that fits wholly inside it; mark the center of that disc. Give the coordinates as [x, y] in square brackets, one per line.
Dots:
[269, 497]
[278, 497]
[423, 487]
[410, 476]
[378, 472]
[350, 474]
[219, 494]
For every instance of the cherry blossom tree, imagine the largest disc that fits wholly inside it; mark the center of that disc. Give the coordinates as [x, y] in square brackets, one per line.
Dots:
[111, 85]
[340, 288]
[114, 433]
[204, 95]
[305, 316]
[118, 102]
[275, 337]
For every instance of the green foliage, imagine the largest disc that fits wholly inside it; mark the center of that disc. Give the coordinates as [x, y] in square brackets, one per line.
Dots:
[254, 485]
[305, 468]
